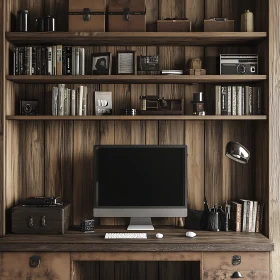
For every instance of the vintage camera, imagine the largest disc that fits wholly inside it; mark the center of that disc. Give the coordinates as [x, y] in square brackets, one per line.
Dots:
[239, 64]
[29, 107]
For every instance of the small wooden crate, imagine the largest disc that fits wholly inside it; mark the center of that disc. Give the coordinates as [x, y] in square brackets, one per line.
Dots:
[41, 220]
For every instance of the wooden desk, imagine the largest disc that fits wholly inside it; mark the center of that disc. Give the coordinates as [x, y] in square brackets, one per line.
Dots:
[214, 251]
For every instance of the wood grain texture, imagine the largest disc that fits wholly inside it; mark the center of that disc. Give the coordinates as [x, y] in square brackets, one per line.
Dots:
[224, 275]
[223, 261]
[86, 270]
[274, 132]
[52, 267]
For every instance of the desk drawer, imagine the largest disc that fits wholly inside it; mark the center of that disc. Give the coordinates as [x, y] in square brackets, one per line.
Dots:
[250, 261]
[226, 275]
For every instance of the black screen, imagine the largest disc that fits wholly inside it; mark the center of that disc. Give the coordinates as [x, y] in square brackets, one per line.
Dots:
[140, 175]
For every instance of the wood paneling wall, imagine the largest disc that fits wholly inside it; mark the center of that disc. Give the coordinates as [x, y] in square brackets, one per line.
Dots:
[56, 158]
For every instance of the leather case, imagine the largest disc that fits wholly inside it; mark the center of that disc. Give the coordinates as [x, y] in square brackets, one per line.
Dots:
[174, 25]
[87, 15]
[127, 16]
[40, 220]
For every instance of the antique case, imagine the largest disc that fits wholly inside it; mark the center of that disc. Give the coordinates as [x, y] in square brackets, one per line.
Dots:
[40, 219]
[218, 25]
[87, 15]
[127, 16]
[174, 25]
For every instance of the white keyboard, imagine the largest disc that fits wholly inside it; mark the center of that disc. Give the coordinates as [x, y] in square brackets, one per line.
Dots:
[126, 236]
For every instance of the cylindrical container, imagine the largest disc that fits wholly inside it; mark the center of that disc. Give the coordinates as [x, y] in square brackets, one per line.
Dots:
[49, 23]
[247, 21]
[40, 24]
[22, 20]
[198, 96]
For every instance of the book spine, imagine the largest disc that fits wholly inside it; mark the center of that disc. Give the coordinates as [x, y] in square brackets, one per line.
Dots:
[224, 110]
[21, 60]
[82, 61]
[244, 214]
[239, 100]
[64, 62]
[235, 216]
[80, 102]
[54, 59]
[77, 62]
[54, 101]
[50, 69]
[229, 100]
[243, 102]
[26, 61]
[68, 54]
[16, 64]
[259, 101]
[218, 100]
[74, 61]
[73, 102]
[259, 217]
[254, 216]
[84, 106]
[246, 100]
[43, 61]
[59, 59]
[233, 101]
[38, 60]
[250, 101]
[66, 102]
[34, 65]
[61, 94]
[250, 216]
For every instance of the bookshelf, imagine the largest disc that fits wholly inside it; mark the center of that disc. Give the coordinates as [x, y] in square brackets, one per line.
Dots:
[39, 152]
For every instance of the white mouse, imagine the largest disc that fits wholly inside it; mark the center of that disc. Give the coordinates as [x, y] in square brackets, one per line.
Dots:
[190, 234]
[159, 235]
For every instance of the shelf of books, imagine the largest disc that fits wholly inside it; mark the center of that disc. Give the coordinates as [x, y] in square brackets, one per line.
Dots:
[134, 79]
[135, 38]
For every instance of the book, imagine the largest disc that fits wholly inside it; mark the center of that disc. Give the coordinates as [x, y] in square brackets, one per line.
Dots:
[49, 67]
[218, 100]
[229, 100]
[254, 216]
[68, 57]
[235, 216]
[234, 100]
[224, 105]
[33, 66]
[54, 54]
[67, 102]
[84, 104]
[59, 60]
[73, 55]
[248, 100]
[239, 101]
[77, 61]
[73, 102]
[243, 101]
[81, 61]
[244, 214]
[54, 101]
[259, 217]
[61, 97]
[103, 103]
[249, 216]
[80, 93]
[43, 61]
[38, 61]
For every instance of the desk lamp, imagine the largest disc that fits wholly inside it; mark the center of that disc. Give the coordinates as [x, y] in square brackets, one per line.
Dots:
[237, 152]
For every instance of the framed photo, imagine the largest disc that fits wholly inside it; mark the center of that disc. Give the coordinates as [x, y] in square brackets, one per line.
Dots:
[126, 62]
[101, 63]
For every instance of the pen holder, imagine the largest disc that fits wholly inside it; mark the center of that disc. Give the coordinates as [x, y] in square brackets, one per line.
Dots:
[213, 221]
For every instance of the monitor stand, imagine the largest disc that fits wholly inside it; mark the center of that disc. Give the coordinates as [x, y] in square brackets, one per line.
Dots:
[140, 224]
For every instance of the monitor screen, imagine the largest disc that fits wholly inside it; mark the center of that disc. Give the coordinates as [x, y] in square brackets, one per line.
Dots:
[140, 176]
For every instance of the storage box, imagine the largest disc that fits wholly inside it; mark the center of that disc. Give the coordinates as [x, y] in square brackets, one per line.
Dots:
[87, 15]
[40, 220]
[174, 25]
[212, 25]
[127, 16]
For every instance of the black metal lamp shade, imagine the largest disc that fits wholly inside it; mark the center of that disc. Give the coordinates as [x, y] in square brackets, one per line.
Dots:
[237, 152]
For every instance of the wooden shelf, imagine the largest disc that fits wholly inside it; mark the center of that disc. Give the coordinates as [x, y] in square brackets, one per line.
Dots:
[135, 79]
[135, 38]
[134, 118]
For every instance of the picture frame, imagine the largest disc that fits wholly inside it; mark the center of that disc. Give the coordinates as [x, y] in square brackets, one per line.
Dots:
[101, 63]
[126, 63]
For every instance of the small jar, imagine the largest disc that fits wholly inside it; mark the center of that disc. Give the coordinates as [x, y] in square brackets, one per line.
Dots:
[247, 21]
[23, 18]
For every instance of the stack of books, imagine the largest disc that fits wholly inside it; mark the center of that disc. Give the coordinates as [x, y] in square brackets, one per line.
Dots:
[52, 60]
[238, 100]
[66, 102]
[246, 216]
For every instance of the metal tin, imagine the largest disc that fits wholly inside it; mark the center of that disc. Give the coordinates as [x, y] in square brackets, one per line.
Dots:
[22, 20]
[49, 23]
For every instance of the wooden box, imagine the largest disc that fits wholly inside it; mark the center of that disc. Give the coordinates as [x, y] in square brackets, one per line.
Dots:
[174, 25]
[127, 16]
[41, 220]
[218, 26]
[87, 15]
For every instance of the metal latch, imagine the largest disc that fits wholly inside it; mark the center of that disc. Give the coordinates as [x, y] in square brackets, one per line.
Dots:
[30, 222]
[34, 261]
[43, 221]
[126, 12]
[86, 16]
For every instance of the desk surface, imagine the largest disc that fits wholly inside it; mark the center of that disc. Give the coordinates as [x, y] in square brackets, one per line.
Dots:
[174, 240]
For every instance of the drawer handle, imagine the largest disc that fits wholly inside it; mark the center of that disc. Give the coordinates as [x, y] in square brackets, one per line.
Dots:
[236, 274]
[43, 221]
[236, 260]
[34, 261]
[30, 222]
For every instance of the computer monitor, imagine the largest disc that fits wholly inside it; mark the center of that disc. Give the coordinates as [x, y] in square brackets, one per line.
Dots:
[140, 182]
